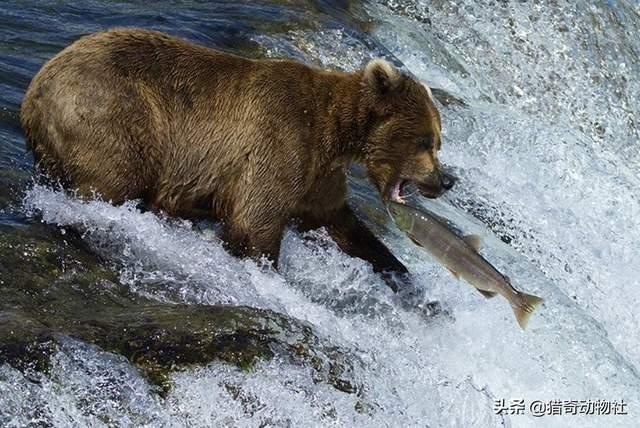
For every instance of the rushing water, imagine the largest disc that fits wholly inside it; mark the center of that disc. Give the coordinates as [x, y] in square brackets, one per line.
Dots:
[547, 148]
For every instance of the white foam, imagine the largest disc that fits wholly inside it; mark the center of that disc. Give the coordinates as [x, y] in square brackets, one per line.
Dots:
[536, 169]
[415, 370]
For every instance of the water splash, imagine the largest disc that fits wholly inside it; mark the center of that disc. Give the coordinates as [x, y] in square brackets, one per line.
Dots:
[459, 362]
[548, 156]
[546, 172]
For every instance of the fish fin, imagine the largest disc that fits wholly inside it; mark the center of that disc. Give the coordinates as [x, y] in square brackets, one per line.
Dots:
[454, 273]
[524, 310]
[473, 241]
[487, 294]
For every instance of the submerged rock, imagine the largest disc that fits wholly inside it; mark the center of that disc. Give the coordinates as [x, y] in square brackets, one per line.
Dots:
[12, 180]
[53, 287]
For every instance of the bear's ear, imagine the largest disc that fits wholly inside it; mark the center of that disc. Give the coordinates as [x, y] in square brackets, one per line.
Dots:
[382, 76]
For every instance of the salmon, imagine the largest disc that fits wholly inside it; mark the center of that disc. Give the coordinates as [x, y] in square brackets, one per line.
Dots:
[459, 254]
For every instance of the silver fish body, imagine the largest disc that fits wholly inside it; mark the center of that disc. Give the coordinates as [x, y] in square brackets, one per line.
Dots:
[460, 256]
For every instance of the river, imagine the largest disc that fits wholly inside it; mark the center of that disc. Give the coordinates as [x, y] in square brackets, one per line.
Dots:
[541, 122]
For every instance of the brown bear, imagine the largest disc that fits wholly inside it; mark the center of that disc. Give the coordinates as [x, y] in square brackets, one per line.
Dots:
[138, 114]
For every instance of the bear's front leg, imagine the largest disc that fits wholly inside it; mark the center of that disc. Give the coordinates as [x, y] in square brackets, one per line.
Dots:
[255, 232]
[254, 241]
[355, 239]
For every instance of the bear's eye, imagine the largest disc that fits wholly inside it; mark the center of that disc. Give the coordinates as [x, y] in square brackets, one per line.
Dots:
[424, 144]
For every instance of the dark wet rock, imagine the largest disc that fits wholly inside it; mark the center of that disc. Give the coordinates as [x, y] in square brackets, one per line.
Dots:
[158, 338]
[349, 12]
[24, 342]
[53, 287]
[12, 181]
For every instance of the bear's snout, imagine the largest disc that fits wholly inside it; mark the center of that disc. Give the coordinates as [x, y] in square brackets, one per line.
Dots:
[435, 187]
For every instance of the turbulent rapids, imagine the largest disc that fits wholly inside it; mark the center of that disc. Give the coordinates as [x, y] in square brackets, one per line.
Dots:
[540, 122]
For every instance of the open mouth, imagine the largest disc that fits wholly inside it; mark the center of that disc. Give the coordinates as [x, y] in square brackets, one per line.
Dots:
[398, 191]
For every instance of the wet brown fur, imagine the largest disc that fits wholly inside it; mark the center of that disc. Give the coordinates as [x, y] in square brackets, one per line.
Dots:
[131, 113]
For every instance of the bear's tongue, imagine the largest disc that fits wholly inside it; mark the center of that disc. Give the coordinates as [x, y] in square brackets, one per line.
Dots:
[396, 191]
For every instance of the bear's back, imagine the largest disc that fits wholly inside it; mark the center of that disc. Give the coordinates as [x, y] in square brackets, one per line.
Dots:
[128, 110]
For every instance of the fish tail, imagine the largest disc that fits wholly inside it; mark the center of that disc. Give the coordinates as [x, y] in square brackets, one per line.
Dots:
[527, 303]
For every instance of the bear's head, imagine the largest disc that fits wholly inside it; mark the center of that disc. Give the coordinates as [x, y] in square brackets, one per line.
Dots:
[403, 133]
